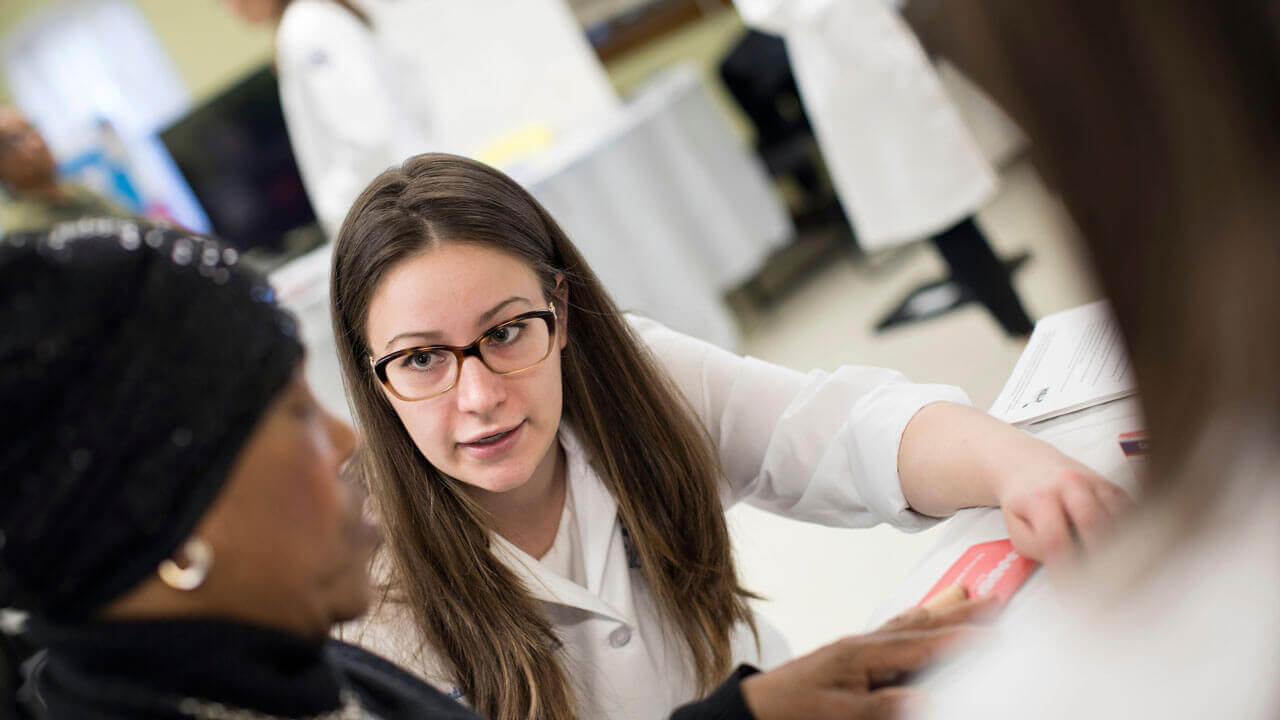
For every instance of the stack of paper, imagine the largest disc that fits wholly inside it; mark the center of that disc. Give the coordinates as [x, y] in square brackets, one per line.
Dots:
[1075, 360]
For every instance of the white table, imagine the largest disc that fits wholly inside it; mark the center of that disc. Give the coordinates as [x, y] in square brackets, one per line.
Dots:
[1090, 436]
[668, 206]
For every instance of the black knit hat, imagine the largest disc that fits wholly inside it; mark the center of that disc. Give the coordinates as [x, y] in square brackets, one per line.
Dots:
[134, 364]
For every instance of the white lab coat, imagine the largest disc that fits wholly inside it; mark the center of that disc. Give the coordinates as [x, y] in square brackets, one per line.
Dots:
[348, 112]
[903, 163]
[820, 447]
[430, 76]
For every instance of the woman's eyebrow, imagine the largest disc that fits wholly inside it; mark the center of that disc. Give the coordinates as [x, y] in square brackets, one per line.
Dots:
[489, 314]
[486, 316]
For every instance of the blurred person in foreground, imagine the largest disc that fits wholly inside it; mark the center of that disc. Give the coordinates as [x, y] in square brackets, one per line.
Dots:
[174, 519]
[1157, 122]
[31, 196]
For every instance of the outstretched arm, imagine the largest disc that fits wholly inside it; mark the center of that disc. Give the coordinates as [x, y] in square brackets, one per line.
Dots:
[953, 457]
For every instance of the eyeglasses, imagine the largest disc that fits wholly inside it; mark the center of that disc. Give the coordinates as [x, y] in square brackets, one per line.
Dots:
[421, 373]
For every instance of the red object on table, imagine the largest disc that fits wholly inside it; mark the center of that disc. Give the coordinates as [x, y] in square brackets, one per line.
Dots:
[990, 568]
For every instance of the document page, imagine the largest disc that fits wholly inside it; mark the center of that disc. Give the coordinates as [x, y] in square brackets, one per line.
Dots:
[1074, 360]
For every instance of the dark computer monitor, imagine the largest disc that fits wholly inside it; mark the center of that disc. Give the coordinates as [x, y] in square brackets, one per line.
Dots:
[234, 151]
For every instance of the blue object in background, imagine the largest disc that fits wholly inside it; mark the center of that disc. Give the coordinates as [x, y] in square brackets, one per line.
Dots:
[120, 188]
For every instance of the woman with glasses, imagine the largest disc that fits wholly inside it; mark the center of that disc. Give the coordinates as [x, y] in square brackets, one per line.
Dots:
[551, 476]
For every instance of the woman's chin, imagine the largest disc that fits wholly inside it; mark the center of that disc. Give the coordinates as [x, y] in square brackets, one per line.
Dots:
[510, 474]
[498, 483]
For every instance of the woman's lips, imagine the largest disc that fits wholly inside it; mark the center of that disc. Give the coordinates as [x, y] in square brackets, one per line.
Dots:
[495, 447]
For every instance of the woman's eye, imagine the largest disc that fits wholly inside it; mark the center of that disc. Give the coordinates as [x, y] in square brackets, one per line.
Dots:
[507, 333]
[421, 360]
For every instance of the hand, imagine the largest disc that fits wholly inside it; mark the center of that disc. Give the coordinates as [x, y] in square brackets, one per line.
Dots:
[859, 677]
[1052, 504]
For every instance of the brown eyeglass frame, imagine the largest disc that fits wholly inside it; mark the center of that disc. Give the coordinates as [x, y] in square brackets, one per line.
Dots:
[472, 350]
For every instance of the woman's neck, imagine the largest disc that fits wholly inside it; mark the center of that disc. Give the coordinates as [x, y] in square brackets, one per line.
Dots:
[529, 516]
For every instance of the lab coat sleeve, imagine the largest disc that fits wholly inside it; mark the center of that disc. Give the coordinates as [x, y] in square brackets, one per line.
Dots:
[330, 57]
[820, 447]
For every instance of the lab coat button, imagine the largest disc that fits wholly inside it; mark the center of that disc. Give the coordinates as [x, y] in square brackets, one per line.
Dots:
[620, 637]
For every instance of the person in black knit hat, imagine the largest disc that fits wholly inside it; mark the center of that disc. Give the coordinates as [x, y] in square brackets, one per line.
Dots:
[172, 514]
[174, 520]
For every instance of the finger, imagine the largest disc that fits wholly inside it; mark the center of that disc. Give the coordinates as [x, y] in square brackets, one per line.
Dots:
[904, 701]
[952, 595]
[1048, 523]
[1087, 515]
[973, 610]
[879, 678]
[862, 661]
[886, 703]
[922, 618]
[905, 620]
[1114, 499]
[1023, 537]
[923, 615]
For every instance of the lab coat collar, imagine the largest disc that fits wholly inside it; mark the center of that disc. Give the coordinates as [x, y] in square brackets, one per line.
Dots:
[548, 586]
[595, 506]
[597, 516]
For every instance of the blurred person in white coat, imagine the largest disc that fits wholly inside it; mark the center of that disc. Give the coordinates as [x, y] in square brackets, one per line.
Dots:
[349, 116]
[1159, 130]
[903, 163]
[364, 85]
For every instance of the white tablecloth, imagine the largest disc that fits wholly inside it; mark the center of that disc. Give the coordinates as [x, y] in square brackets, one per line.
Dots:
[667, 205]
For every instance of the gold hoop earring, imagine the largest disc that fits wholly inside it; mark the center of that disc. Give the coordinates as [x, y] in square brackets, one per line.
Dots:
[199, 556]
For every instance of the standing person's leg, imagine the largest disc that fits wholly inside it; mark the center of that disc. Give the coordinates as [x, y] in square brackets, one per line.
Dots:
[975, 266]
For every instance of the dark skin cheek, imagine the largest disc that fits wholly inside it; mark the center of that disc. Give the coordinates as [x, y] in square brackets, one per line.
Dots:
[311, 518]
[317, 496]
[311, 458]
[311, 498]
[302, 497]
[346, 563]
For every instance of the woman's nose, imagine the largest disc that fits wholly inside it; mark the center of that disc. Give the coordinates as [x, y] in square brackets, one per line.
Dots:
[479, 388]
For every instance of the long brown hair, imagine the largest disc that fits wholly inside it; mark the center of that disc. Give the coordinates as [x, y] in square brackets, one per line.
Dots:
[648, 447]
[1158, 122]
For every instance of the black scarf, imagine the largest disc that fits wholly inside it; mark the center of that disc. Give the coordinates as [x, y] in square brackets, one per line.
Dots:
[148, 670]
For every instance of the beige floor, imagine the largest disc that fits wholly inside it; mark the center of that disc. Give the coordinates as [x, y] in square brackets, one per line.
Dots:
[821, 583]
